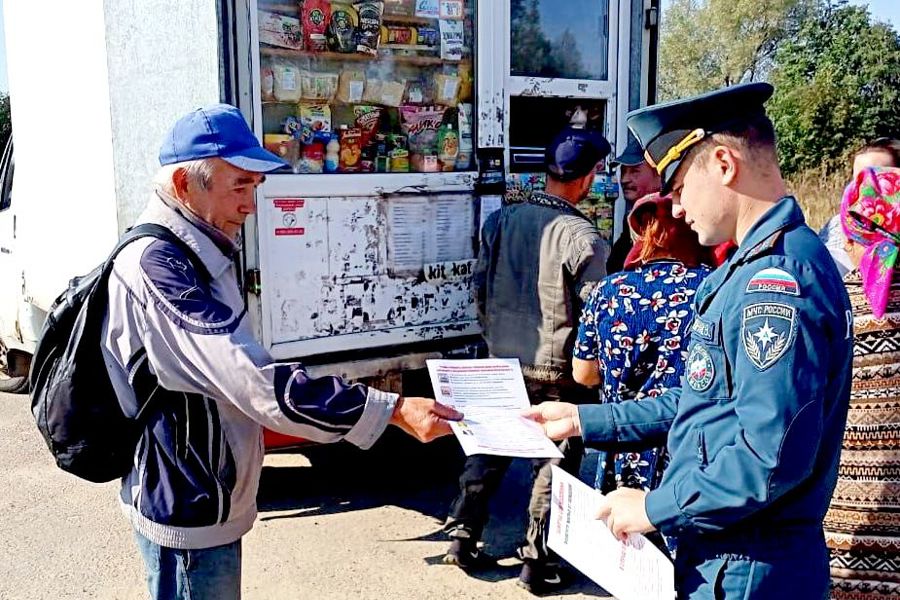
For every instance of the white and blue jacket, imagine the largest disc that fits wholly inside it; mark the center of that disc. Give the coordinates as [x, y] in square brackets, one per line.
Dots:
[186, 342]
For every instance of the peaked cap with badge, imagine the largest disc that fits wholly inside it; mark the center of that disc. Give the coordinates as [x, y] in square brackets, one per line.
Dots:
[755, 431]
[668, 131]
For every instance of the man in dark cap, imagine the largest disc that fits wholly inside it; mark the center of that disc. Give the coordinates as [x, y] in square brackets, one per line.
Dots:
[538, 263]
[755, 432]
[637, 179]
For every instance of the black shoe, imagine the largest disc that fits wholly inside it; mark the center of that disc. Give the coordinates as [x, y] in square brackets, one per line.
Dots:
[465, 554]
[540, 579]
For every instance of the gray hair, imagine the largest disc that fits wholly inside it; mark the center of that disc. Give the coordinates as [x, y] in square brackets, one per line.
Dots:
[198, 171]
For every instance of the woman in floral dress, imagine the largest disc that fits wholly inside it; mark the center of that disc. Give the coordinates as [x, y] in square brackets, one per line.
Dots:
[635, 329]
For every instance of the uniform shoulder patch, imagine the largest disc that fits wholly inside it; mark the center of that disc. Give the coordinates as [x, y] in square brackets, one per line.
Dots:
[700, 368]
[767, 331]
[774, 280]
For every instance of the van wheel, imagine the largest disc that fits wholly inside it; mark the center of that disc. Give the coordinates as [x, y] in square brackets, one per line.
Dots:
[13, 385]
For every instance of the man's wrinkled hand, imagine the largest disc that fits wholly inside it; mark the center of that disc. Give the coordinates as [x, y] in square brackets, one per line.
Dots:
[625, 512]
[423, 418]
[559, 419]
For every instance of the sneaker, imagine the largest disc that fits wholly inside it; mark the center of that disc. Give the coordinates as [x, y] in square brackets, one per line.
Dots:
[542, 579]
[465, 554]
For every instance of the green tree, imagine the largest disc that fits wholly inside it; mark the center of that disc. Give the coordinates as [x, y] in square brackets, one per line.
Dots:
[566, 57]
[531, 50]
[5, 120]
[708, 44]
[837, 83]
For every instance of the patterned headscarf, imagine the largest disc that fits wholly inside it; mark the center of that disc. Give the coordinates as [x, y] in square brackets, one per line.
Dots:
[875, 195]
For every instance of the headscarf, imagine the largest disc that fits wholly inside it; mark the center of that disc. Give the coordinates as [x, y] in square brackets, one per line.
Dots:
[875, 194]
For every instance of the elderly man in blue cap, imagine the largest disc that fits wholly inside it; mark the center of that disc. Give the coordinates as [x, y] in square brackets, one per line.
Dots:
[177, 332]
[538, 263]
[755, 430]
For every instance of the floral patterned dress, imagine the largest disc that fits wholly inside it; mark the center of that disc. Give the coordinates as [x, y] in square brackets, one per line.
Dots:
[636, 324]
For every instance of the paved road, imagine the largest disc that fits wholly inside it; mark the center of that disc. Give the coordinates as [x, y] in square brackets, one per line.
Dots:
[335, 523]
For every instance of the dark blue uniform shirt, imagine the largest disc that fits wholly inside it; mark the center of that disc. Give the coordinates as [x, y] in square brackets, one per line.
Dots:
[755, 430]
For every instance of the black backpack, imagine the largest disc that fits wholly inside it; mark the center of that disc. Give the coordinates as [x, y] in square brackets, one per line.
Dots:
[72, 397]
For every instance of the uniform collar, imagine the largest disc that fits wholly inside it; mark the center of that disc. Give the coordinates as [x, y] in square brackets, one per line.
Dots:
[765, 233]
[545, 199]
[216, 258]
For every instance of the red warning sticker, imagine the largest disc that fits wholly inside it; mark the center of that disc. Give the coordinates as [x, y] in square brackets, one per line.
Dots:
[289, 204]
[290, 231]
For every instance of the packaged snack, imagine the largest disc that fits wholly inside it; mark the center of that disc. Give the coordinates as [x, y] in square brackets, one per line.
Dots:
[315, 121]
[285, 146]
[427, 36]
[452, 39]
[277, 143]
[400, 35]
[398, 160]
[392, 93]
[341, 31]
[421, 125]
[351, 87]
[279, 30]
[466, 145]
[448, 147]
[318, 86]
[368, 119]
[416, 92]
[332, 154]
[312, 159]
[400, 8]
[372, 93]
[368, 32]
[291, 126]
[315, 14]
[446, 89]
[287, 81]
[351, 150]
[466, 82]
[267, 84]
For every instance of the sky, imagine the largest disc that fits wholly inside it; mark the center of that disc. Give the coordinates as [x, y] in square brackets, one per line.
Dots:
[883, 10]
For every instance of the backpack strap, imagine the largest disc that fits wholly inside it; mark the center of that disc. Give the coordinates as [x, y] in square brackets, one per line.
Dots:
[161, 233]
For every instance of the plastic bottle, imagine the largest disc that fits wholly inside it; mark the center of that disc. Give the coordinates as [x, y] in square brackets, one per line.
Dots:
[332, 154]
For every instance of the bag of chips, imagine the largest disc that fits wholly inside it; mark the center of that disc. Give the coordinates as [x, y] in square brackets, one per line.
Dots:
[368, 119]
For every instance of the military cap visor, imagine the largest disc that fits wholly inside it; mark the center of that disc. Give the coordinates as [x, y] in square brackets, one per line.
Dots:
[667, 132]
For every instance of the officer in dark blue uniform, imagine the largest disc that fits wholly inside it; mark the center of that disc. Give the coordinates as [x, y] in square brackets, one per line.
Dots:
[755, 430]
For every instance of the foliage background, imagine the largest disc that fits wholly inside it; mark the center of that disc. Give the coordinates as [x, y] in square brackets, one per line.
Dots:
[836, 72]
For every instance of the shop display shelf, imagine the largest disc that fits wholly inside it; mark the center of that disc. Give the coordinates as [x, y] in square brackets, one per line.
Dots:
[423, 61]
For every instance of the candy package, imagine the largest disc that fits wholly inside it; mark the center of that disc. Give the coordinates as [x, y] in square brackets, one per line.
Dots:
[421, 125]
[400, 8]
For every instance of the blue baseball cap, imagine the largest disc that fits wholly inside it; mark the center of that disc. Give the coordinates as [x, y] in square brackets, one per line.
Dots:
[217, 131]
[575, 152]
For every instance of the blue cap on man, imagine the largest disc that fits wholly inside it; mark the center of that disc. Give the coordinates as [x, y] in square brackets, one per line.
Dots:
[575, 152]
[217, 131]
[668, 131]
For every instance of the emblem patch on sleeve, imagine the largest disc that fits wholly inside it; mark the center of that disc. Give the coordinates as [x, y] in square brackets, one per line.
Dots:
[700, 368]
[774, 280]
[767, 331]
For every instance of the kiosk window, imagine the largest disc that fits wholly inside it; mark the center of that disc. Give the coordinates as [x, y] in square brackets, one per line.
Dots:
[568, 40]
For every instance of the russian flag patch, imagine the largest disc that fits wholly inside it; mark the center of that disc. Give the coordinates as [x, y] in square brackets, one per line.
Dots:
[774, 280]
